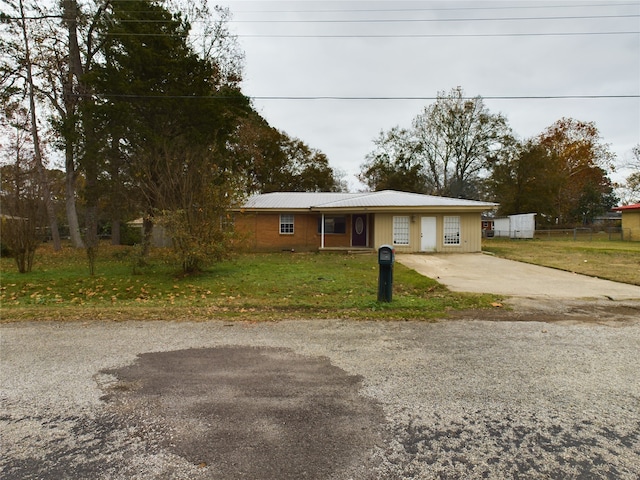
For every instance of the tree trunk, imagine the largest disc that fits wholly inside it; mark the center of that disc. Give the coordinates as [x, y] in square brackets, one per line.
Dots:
[147, 228]
[42, 173]
[115, 232]
[70, 199]
[71, 103]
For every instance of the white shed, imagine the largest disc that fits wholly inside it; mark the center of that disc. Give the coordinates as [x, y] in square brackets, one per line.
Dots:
[515, 226]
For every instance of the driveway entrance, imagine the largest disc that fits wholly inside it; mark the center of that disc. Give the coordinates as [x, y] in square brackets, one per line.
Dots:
[482, 273]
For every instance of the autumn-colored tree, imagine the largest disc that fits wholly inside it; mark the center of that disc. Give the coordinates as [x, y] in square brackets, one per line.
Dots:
[22, 212]
[581, 165]
[561, 175]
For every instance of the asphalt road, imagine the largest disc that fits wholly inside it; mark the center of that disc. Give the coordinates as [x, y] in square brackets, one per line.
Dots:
[319, 399]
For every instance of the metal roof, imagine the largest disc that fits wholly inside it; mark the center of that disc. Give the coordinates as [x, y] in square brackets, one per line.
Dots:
[635, 206]
[330, 200]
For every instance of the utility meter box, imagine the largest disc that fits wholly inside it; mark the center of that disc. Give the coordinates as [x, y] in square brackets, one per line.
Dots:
[386, 255]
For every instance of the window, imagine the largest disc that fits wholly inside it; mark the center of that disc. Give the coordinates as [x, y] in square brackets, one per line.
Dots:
[333, 224]
[452, 230]
[401, 230]
[286, 224]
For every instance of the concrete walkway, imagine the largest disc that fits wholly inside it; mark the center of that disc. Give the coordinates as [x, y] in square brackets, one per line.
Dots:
[482, 273]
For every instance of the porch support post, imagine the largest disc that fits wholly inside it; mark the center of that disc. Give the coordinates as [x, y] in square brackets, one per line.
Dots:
[322, 232]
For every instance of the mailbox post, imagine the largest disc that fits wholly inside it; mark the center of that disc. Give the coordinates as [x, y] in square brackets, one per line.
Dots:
[386, 259]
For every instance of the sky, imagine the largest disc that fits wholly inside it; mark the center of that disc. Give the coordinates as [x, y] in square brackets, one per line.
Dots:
[336, 73]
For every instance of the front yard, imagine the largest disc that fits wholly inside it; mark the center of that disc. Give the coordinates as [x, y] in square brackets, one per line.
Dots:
[249, 287]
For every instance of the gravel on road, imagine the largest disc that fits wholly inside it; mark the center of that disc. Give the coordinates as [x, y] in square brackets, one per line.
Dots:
[451, 399]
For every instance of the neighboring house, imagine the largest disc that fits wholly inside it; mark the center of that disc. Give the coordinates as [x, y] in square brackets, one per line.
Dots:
[159, 236]
[522, 225]
[352, 221]
[630, 221]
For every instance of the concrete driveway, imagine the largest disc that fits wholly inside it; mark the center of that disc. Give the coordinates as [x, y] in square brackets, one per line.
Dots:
[483, 273]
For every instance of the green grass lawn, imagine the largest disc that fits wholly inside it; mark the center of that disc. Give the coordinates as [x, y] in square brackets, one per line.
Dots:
[613, 260]
[249, 287]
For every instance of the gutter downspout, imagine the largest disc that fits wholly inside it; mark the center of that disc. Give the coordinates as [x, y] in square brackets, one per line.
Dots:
[322, 233]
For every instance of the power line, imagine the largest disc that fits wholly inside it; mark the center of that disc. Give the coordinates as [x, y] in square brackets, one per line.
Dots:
[383, 35]
[438, 35]
[360, 98]
[436, 20]
[490, 97]
[439, 9]
[404, 20]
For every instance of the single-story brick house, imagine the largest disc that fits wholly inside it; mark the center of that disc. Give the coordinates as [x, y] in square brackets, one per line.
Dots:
[630, 220]
[311, 221]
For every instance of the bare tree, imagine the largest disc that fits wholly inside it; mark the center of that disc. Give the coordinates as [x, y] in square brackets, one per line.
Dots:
[20, 193]
[26, 73]
[446, 151]
[51, 82]
[455, 138]
[630, 191]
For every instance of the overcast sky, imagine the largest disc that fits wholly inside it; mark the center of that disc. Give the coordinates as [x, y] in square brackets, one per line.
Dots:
[364, 50]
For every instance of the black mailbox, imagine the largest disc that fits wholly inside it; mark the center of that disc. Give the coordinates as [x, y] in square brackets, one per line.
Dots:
[386, 255]
[386, 258]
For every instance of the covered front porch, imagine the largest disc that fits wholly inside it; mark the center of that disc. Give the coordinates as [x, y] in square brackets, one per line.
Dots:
[346, 232]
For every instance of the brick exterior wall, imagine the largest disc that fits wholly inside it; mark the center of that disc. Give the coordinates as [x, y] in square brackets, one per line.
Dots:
[305, 235]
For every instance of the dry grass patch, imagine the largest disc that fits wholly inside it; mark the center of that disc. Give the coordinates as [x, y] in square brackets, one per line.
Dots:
[612, 260]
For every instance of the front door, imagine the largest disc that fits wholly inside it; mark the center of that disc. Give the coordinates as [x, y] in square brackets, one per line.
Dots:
[359, 230]
[428, 234]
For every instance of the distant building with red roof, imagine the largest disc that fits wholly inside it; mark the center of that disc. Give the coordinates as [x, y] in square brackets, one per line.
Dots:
[630, 220]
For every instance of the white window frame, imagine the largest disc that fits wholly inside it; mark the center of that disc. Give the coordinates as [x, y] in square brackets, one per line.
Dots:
[401, 230]
[451, 231]
[287, 224]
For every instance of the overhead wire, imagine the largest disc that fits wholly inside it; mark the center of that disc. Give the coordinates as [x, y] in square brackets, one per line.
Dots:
[366, 98]
[437, 20]
[438, 9]
[409, 35]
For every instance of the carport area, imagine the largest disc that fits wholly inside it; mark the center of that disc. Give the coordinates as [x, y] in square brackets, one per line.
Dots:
[483, 273]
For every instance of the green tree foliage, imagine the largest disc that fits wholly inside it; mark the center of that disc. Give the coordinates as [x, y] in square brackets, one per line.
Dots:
[268, 160]
[524, 183]
[445, 152]
[164, 117]
[394, 164]
[561, 175]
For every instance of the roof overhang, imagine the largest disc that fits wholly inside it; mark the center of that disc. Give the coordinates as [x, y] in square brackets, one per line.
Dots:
[356, 210]
[628, 208]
